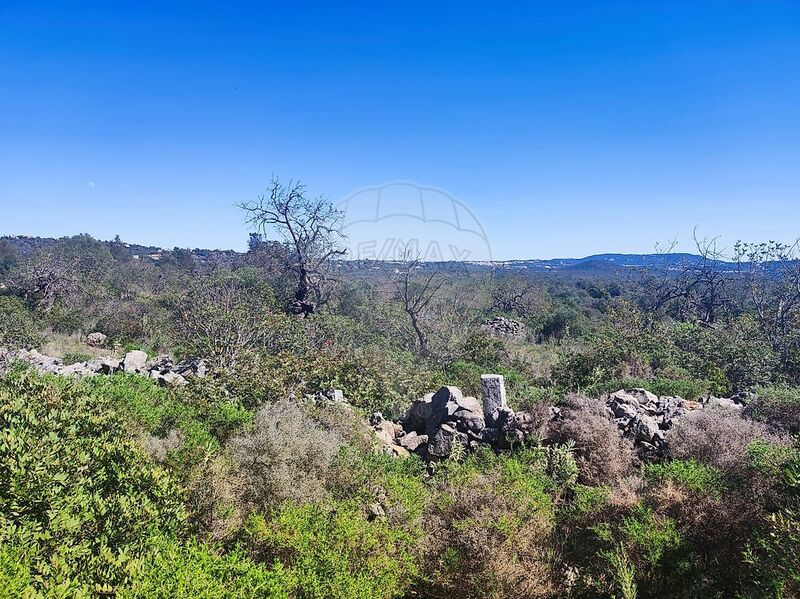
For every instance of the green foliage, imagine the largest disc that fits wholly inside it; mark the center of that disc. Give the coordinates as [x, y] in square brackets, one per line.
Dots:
[206, 416]
[336, 550]
[17, 325]
[561, 465]
[688, 473]
[194, 570]
[622, 571]
[8, 257]
[651, 535]
[76, 497]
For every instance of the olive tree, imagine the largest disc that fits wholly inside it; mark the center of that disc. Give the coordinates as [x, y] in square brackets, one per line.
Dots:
[311, 232]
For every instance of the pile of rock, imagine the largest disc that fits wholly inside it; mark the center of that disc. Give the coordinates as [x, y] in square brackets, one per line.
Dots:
[644, 418]
[445, 422]
[507, 328]
[161, 368]
[441, 423]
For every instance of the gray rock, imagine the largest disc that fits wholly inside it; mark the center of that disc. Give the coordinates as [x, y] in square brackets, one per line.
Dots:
[109, 365]
[161, 364]
[79, 370]
[134, 361]
[418, 414]
[722, 403]
[192, 367]
[469, 421]
[96, 339]
[444, 404]
[644, 428]
[440, 445]
[493, 391]
[412, 441]
[505, 327]
[624, 411]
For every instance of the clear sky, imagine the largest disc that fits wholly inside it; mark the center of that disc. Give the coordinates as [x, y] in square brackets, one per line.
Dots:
[568, 128]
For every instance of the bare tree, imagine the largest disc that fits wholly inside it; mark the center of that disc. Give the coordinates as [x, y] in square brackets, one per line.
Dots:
[695, 289]
[772, 274]
[415, 294]
[69, 271]
[311, 231]
[517, 295]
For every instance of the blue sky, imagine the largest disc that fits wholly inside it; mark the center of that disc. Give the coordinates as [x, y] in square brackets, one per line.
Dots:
[567, 128]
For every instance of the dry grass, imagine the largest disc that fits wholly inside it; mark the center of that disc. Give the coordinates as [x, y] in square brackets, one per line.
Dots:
[717, 437]
[59, 345]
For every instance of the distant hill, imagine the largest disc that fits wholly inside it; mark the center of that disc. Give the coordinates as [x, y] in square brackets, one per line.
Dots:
[599, 264]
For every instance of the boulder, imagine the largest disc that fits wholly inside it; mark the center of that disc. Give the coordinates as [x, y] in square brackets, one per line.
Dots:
[192, 367]
[109, 365]
[440, 445]
[418, 414]
[168, 379]
[469, 415]
[412, 441]
[96, 339]
[644, 428]
[722, 403]
[134, 361]
[160, 364]
[79, 370]
[444, 404]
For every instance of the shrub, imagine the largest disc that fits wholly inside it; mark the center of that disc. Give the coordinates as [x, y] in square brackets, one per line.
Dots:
[491, 529]
[336, 550]
[17, 326]
[200, 571]
[79, 500]
[602, 455]
[687, 473]
[716, 437]
[225, 316]
[778, 407]
[286, 457]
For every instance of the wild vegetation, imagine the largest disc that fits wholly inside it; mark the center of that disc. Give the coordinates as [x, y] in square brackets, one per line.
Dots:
[241, 484]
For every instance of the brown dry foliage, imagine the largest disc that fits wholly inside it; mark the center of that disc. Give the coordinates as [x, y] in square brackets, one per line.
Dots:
[482, 544]
[603, 456]
[717, 437]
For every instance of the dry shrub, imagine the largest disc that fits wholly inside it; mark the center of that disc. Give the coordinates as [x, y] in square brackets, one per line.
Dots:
[287, 456]
[483, 543]
[778, 407]
[215, 492]
[158, 447]
[717, 437]
[603, 456]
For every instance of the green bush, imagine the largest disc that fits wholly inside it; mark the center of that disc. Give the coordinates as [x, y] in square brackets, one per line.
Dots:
[335, 550]
[688, 473]
[197, 571]
[79, 502]
[17, 325]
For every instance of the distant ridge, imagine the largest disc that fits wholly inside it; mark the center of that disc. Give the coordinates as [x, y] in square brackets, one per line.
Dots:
[599, 263]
